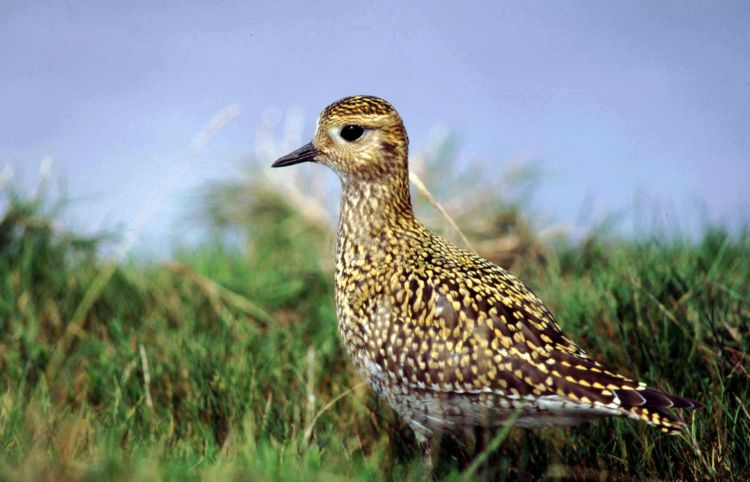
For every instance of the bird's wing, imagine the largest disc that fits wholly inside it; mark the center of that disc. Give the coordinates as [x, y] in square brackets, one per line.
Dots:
[466, 325]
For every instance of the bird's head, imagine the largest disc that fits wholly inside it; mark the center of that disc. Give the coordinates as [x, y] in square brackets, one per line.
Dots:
[361, 138]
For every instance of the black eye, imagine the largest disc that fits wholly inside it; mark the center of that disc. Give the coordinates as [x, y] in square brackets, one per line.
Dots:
[352, 132]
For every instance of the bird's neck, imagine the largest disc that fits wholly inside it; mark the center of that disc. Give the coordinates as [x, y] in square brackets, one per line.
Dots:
[370, 207]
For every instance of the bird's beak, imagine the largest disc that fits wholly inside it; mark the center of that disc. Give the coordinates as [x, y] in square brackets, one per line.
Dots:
[303, 154]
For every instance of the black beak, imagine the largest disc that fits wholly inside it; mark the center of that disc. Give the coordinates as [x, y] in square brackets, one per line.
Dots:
[303, 154]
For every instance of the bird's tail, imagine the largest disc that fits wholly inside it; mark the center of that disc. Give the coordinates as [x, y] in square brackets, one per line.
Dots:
[654, 407]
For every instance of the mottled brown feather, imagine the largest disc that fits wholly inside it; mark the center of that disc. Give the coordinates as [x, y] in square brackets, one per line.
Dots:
[448, 338]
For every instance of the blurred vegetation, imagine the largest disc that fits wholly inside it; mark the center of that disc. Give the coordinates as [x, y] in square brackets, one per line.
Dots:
[224, 363]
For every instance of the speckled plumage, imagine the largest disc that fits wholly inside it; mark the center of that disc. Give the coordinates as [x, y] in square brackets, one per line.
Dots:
[451, 340]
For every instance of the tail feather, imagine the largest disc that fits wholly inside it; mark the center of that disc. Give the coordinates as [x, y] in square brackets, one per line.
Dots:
[650, 397]
[653, 407]
[583, 380]
[681, 402]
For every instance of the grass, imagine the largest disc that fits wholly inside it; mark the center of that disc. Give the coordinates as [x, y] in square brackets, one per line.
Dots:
[225, 362]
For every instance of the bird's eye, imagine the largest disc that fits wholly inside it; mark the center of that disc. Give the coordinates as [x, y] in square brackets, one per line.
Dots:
[352, 132]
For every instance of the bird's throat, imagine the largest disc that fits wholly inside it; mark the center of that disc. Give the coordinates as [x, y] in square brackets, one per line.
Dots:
[369, 207]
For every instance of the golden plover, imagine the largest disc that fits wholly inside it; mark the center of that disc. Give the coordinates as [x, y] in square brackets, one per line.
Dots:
[449, 339]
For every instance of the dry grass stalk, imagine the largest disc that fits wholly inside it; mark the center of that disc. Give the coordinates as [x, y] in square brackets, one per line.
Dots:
[215, 291]
[76, 326]
[146, 377]
[415, 179]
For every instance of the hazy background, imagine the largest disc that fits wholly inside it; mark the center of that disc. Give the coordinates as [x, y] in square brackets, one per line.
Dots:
[616, 102]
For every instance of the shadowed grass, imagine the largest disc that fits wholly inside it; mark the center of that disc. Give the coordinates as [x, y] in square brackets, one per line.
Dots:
[243, 360]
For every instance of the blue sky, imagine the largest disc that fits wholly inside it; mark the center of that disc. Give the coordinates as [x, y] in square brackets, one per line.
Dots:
[614, 100]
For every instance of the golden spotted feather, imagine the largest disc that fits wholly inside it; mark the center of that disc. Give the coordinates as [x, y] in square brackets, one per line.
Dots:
[450, 339]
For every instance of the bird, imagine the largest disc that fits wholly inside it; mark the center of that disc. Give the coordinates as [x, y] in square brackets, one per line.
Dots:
[450, 340]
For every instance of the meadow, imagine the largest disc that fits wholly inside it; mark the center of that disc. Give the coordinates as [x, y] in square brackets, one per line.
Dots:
[224, 362]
